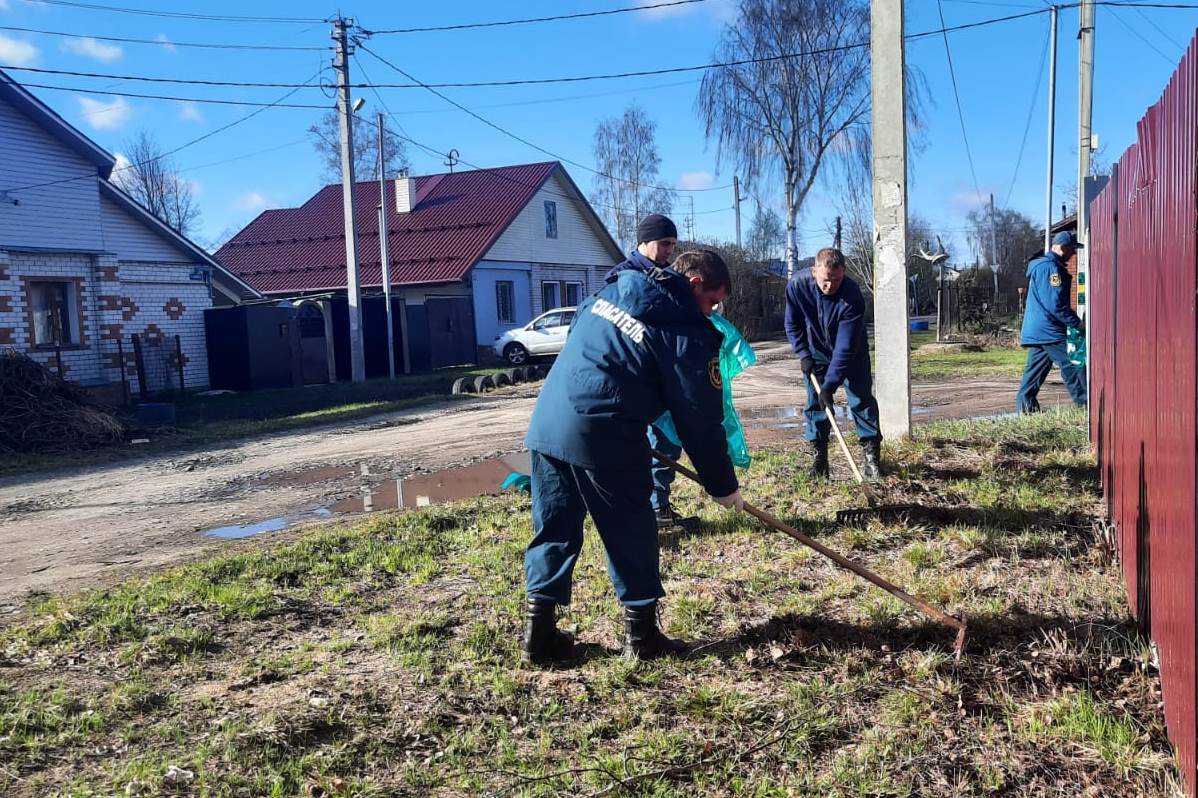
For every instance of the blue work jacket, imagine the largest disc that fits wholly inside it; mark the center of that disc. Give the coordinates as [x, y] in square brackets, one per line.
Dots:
[638, 347]
[1046, 313]
[828, 329]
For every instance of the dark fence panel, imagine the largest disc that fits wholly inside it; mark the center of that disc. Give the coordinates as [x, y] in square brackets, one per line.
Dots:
[1143, 393]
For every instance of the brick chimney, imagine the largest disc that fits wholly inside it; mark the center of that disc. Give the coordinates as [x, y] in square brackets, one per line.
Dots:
[405, 193]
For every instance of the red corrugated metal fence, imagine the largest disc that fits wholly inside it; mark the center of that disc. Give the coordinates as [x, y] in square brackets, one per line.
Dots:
[1143, 398]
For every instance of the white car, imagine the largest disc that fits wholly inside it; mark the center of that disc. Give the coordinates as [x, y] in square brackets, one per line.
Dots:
[544, 335]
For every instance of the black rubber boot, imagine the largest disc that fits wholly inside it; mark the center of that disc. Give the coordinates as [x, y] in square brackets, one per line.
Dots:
[544, 643]
[873, 459]
[642, 638]
[668, 519]
[819, 459]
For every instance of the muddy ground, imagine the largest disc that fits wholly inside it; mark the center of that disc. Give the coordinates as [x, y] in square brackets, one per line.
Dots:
[76, 528]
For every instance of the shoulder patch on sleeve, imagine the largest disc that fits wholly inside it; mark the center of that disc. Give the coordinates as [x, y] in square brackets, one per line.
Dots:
[1054, 279]
[713, 374]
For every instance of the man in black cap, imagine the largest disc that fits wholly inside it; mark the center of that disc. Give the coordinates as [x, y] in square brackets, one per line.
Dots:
[1047, 318]
[656, 239]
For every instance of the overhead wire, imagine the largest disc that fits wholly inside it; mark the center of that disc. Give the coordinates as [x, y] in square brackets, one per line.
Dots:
[1027, 125]
[174, 14]
[538, 81]
[957, 97]
[168, 153]
[531, 20]
[175, 98]
[162, 42]
[525, 141]
[1151, 45]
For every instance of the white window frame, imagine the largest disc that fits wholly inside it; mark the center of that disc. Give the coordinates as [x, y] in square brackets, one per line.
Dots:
[550, 219]
[511, 302]
[557, 294]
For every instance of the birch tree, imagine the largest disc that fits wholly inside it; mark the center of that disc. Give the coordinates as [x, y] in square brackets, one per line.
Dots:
[627, 189]
[152, 178]
[804, 90]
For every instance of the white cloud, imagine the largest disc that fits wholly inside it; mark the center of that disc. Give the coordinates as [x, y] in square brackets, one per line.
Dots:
[90, 48]
[122, 163]
[251, 201]
[16, 52]
[165, 42]
[695, 180]
[722, 10]
[105, 116]
[190, 112]
[968, 199]
[3, 5]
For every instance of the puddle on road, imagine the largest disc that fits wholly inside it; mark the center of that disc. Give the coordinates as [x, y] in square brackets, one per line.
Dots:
[478, 479]
[312, 476]
[277, 524]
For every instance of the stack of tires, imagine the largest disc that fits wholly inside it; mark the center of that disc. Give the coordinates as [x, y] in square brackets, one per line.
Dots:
[485, 383]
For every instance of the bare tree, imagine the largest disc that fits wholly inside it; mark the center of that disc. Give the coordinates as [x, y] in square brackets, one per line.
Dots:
[152, 179]
[326, 139]
[1017, 239]
[806, 88]
[767, 234]
[627, 159]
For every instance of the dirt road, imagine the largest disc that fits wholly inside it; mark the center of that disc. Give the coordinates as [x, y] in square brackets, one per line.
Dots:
[60, 530]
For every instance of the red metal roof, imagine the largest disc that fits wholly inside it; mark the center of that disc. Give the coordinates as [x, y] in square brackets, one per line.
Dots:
[457, 218]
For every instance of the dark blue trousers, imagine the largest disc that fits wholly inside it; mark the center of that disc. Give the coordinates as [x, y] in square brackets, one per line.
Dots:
[859, 391]
[1040, 360]
[663, 476]
[618, 501]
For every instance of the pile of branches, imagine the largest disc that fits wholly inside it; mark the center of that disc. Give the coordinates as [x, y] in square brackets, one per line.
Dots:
[43, 413]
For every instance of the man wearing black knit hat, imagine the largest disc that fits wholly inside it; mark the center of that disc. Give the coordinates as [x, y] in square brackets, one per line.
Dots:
[656, 238]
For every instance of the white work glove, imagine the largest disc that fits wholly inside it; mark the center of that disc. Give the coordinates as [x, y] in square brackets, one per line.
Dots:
[731, 502]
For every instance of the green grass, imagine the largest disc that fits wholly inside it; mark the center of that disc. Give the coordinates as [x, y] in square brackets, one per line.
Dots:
[382, 658]
[998, 362]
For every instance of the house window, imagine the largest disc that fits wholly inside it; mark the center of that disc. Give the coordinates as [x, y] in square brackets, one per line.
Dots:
[550, 219]
[550, 295]
[573, 294]
[504, 305]
[54, 310]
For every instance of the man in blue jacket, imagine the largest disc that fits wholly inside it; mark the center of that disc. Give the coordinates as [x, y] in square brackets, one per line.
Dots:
[657, 237]
[1047, 318]
[825, 322]
[640, 346]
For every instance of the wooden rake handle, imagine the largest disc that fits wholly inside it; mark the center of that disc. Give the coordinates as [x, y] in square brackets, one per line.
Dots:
[844, 447]
[775, 523]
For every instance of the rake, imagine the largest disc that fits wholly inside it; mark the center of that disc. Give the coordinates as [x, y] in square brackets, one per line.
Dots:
[939, 616]
[855, 516]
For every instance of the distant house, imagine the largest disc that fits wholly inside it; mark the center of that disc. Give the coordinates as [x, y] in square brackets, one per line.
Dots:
[83, 266]
[472, 254]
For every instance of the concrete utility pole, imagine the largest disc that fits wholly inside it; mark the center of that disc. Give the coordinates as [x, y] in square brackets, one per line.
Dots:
[836, 240]
[1052, 110]
[384, 261]
[889, 130]
[993, 255]
[1085, 109]
[357, 355]
[736, 204]
[690, 220]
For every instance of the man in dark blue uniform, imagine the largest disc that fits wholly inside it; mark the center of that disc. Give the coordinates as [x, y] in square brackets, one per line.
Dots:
[656, 237]
[825, 322]
[1047, 318]
[640, 346]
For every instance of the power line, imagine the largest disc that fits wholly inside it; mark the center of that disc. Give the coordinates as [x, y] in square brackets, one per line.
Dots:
[173, 14]
[173, 97]
[168, 153]
[160, 42]
[1151, 45]
[1164, 34]
[536, 81]
[1027, 125]
[957, 96]
[525, 141]
[532, 20]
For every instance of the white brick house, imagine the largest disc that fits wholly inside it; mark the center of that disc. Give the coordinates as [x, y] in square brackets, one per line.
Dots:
[83, 267]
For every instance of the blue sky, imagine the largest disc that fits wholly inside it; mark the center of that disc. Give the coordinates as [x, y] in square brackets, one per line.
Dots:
[996, 68]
